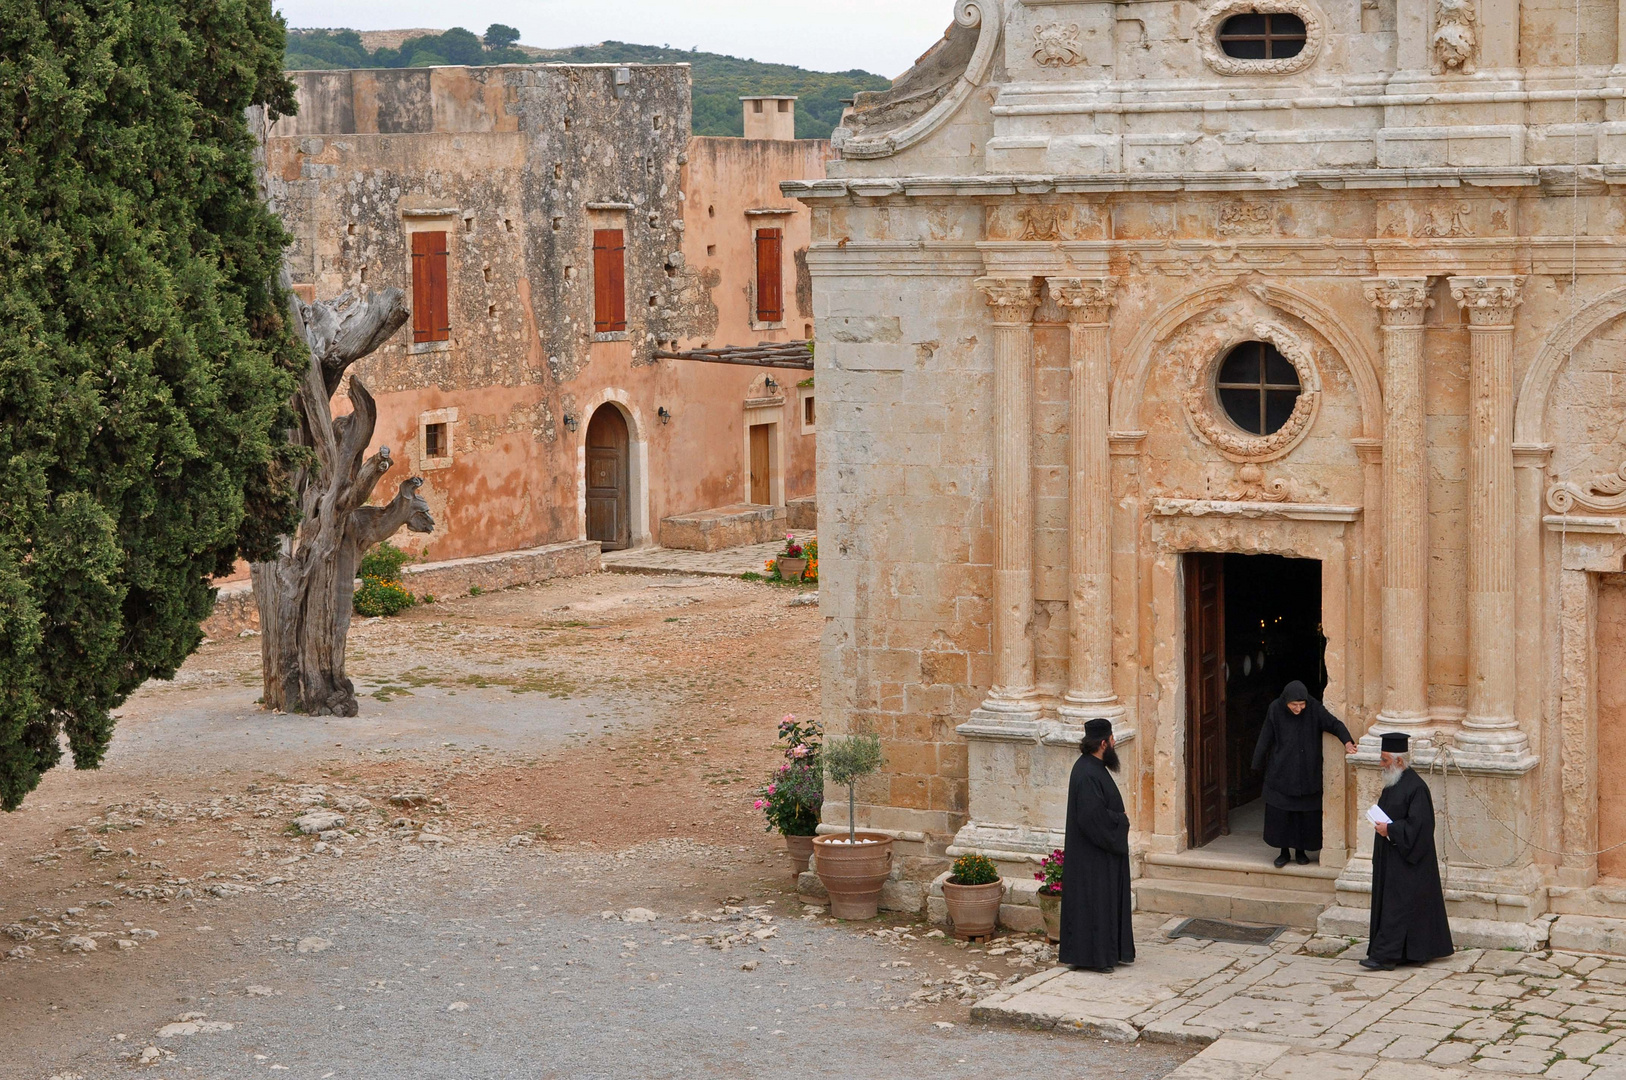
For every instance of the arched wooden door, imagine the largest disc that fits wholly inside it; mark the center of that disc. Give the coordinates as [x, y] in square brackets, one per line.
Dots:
[608, 510]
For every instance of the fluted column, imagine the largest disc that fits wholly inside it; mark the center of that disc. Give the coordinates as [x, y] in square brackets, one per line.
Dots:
[1088, 304]
[1401, 304]
[1489, 302]
[1012, 301]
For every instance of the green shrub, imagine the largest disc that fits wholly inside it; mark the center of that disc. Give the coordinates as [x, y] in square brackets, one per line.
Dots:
[384, 562]
[974, 870]
[379, 597]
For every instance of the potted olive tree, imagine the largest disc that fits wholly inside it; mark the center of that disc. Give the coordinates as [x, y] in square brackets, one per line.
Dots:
[855, 866]
[973, 892]
[1049, 877]
[794, 795]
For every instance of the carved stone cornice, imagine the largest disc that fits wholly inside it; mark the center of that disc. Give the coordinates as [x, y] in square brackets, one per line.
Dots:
[1370, 451]
[1600, 494]
[1085, 300]
[1489, 301]
[1126, 443]
[1400, 301]
[1013, 300]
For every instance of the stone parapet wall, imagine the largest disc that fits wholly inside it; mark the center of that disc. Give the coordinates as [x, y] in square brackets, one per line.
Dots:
[725, 527]
[235, 611]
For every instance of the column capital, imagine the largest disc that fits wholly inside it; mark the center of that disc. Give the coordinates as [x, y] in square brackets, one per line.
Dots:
[1400, 301]
[1085, 300]
[1013, 299]
[1532, 455]
[1489, 301]
[1370, 451]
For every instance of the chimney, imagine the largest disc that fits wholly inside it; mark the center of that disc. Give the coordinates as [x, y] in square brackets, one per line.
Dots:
[770, 117]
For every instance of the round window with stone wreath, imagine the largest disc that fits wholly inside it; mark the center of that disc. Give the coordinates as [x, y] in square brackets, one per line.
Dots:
[1254, 399]
[1261, 37]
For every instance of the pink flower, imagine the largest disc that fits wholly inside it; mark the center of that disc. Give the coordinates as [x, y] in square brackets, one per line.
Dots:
[799, 752]
[770, 789]
[758, 804]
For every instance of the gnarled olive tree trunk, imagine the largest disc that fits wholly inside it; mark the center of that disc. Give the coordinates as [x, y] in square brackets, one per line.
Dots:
[304, 596]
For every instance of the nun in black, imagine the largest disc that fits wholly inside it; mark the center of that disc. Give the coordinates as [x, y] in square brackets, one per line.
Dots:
[1289, 753]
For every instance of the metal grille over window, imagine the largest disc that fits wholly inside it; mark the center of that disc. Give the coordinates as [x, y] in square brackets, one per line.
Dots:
[1258, 387]
[1262, 35]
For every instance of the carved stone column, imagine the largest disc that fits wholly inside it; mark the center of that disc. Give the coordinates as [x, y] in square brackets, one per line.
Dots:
[1013, 301]
[1489, 302]
[1401, 304]
[1088, 302]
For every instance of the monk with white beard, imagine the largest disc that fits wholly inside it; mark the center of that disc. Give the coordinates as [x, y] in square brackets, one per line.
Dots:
[1408, 905]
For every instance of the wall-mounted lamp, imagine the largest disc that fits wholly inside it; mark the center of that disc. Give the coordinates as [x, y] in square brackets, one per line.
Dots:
[772, 386]
[664, 414]
[570, 421]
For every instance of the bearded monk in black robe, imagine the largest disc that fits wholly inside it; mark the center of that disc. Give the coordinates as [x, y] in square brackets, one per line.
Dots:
[1408, 905]
[1096, 931]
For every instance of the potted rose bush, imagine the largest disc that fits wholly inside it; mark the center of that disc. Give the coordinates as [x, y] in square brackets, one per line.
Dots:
[855, 866]
[792, 561]
[794, 795]
[973, 892]
[1049, 878]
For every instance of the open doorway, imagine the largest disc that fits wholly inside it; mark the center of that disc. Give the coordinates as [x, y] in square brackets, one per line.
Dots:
[1253, 624]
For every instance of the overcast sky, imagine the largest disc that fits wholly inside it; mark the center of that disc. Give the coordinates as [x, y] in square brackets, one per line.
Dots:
[883, 36]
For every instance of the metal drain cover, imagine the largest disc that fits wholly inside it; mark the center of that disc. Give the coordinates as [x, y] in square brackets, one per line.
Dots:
[1220, 930]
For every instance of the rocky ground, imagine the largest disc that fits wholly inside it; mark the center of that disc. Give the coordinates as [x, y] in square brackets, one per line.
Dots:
[533, 854]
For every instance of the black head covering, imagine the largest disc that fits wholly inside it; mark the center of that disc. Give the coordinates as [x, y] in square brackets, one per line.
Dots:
[1098, 728]
[1294, 691]
[1396, 742]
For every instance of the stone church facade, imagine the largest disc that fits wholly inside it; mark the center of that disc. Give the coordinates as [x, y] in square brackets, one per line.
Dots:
[1171, 350]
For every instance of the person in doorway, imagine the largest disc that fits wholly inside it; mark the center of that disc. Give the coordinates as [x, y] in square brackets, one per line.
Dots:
[1096, 931]
[1409, 925]
[1289, 754]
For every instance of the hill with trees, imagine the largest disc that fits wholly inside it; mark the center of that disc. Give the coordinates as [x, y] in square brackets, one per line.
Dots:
[718, 81]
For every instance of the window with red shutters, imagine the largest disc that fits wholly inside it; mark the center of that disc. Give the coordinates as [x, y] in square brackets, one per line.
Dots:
[770, 279]
[609, 281]
[431, 315]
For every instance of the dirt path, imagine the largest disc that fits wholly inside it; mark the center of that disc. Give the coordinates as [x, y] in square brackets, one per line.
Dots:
[524, 762]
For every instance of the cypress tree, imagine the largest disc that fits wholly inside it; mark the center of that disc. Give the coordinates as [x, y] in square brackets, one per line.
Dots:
[145, 358]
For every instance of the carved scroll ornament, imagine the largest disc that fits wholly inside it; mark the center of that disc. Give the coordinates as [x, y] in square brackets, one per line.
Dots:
[1206, 416]
[1604, 494]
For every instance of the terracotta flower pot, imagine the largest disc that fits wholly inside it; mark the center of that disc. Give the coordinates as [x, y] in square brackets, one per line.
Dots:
[792, 569]
[974, 909]
[1050, 908]
[800, 850]
[853, 873]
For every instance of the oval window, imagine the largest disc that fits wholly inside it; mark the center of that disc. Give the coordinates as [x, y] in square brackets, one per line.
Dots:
[1257, 387]
[1262, 35]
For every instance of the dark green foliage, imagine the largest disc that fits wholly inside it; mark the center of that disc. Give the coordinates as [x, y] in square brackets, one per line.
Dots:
[500, 36]
[719, 81]
[144, 360]
[383, 561]
[974, 870]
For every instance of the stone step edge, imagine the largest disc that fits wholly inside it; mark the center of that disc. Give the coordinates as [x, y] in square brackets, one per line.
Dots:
[1187, 859]
[1225, 880]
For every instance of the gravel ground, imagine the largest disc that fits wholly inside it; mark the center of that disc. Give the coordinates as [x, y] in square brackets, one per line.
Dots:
[529, 768]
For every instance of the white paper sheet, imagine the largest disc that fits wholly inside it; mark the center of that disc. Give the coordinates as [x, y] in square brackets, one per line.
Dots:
[1376, 816]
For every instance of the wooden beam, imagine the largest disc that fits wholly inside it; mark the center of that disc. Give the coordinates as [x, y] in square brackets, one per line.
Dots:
[793, 355]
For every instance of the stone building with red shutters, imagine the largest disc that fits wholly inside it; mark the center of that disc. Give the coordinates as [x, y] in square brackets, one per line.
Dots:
[556, 227]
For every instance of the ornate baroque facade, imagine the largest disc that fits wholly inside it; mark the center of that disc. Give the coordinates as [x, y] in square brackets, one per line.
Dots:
[1033, 266]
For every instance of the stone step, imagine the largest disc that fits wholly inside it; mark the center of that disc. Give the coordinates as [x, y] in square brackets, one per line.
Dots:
[1278, 907]
[1310, 880]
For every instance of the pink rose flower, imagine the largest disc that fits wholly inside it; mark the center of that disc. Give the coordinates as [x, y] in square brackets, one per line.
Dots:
[770, 789]
[758, 804]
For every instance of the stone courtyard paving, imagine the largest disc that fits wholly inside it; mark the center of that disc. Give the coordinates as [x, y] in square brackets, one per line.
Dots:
[730, 562]
[1303, 1007]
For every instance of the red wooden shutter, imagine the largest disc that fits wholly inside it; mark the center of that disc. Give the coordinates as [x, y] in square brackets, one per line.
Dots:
[770, 284]
[609, 281]
[431, 312]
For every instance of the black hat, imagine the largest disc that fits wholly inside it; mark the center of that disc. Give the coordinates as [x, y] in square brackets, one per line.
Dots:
[1098, 729]
[1396, 742]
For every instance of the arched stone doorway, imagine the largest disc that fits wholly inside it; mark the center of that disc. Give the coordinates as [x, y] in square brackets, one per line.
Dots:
[609, 501]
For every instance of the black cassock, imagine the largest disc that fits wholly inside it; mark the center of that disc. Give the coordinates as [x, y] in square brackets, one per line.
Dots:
[1096, 931]
[1408, 904]
[1289, 754]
